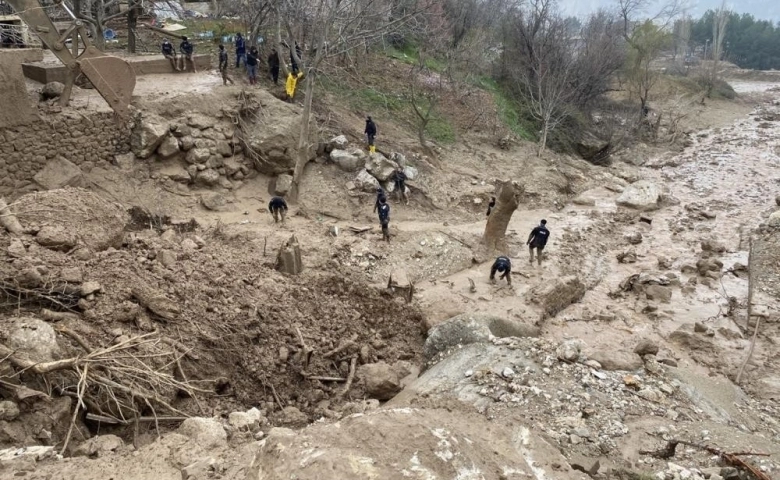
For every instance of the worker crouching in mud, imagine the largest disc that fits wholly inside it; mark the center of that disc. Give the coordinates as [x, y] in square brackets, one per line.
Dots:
[278, 208]
[504, 266]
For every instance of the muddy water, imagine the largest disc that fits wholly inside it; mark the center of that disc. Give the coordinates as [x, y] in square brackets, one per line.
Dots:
[732, 172]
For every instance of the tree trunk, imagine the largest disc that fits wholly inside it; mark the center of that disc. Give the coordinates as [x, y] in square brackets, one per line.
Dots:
[543, 140]
[302, 155]
[507, 201]
[132, 22]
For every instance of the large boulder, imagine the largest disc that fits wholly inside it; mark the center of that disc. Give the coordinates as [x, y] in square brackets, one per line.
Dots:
[380, 380]
[348, 161]
[613, 359]
[273, 143]
[52, 90]
[366, 182]
[641, 195]
[147, 134]
[205, 432]
[84, 215]
[283, 184]
[59, 173]
[208, 177]
[380, 166]
[407, 443]
[472, 328]
[214, 201]
[32, 338]
[557, 294]
[339, 142]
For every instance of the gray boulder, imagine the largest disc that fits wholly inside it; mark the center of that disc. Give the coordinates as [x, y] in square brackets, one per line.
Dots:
[34, 338]
[205, 432]
[411, 172]
[198, 156]
[283, 184]
[774, 219]
[347, 161]
[99, 446]
[472, 328]
[59, 173]
[208, 177]
[147, 134]
[273, 145]
[611, 360]
[380, 166]
[380, 380]
[213, 201]
[641, 195]
[337, 143]
[366, 182]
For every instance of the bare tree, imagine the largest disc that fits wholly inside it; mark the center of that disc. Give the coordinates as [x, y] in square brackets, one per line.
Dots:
[645, 39]
[682, 36]
[508, 198]
[719, 22]
[333, 27]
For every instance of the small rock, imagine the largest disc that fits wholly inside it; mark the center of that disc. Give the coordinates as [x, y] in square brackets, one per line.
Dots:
[668, 361]
[646, 347]
[381, 381]
[52, 90]
[89, 288]
[659, 293]
[507, 373]
[205, 432]
[699, 327]
[246, 420]
[199, 469]
[8, 411]
[284, 354]
[634, 238]
[631, 381]
[167, 258]
[293, 416]
[99, 446]
[712, 245]
[213, 201]
[569, 351]
[16, 248]
[777, 200]
[168, 235]
[189, 244]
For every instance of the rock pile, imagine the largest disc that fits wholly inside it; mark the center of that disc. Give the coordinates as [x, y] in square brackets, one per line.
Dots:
[374, 170]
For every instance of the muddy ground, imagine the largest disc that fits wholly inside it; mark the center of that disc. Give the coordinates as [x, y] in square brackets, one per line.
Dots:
[241, 330]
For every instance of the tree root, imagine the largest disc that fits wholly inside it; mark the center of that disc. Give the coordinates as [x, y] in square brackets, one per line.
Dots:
[731, 459]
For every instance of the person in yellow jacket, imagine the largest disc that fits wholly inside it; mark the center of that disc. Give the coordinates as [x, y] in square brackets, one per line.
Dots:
[292, 82]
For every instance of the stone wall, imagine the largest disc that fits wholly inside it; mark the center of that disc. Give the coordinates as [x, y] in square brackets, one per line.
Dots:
[54, 140]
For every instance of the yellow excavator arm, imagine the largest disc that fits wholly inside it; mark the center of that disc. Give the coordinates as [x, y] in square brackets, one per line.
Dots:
[111, 76]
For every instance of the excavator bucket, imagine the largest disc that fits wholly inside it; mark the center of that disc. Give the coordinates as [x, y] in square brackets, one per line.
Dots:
[112, 77]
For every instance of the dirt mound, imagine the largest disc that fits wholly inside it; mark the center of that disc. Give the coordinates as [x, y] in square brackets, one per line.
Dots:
[213, 326]
[71, 217]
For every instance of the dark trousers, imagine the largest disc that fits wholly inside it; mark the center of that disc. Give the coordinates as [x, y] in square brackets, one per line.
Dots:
[506, 275]
[239, 57]
[386, 230]
[275, 74]
[538, 253]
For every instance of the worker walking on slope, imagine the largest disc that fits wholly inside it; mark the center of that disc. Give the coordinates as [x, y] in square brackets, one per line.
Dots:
[223, 66]
[504, 266]
[278, 208]
[292, 83]
[370, 132]
[384, 218]
[537, 240]
[170, 53]
[187, 50]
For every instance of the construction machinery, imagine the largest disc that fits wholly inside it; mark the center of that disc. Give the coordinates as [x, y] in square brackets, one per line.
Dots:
[111, 76]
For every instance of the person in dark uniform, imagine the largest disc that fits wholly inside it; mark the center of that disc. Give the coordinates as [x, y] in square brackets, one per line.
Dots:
[278, 208]
[384, 218]
[170, 53]
[273, 65]
[223, 66]
[251, 65]
[537, 240]
[240, 49]
[504, 266]
[491, 205]
[187, 49]
[399, 179]
[370, 132]
[380, 193]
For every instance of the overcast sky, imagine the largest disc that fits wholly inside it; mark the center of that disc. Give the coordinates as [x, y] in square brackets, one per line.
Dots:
[761, 9]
